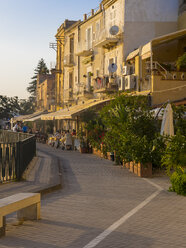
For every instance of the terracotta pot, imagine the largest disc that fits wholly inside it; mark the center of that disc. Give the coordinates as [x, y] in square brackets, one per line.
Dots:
[132, 167]
[145, 170]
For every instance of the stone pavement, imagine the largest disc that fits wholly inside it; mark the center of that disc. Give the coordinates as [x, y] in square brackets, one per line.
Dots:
[95, 195]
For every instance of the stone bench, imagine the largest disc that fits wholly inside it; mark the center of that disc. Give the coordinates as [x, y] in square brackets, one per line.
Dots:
[27, 206]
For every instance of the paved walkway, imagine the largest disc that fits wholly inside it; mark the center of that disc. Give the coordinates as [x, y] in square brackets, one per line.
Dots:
[102, 206]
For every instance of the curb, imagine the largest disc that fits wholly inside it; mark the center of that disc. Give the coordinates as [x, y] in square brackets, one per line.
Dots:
[48, 189]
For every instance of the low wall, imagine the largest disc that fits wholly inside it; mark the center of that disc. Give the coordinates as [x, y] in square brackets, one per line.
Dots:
[164, 90]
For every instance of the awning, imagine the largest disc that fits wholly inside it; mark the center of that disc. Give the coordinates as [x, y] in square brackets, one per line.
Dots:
[33, 119]
[146, 50]
[169, 37]
[133, 54]
[73, 111]
[27, 117]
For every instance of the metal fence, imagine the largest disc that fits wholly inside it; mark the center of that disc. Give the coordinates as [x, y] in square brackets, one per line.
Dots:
[16, 152]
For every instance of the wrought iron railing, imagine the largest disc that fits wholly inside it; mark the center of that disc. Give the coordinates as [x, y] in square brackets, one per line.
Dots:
[16, 152]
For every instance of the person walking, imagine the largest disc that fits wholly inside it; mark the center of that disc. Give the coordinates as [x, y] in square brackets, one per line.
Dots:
[68, 141]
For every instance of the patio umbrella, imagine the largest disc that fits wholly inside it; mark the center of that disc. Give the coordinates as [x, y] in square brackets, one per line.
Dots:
[167, 126]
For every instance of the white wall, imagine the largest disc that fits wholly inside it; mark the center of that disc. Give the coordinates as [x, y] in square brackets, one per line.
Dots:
[118, 12]
[147, 19]
[151, 10]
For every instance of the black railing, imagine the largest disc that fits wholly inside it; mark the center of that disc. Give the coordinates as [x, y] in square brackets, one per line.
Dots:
[16, 152]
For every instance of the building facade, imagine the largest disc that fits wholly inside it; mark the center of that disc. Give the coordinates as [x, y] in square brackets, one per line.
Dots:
[59, 70]
[155, 70]
[182, 15]
[91, 54]
[46, 97]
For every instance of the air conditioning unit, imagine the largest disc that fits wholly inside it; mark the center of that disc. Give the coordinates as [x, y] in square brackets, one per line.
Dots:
[130, 82]
[121, 83]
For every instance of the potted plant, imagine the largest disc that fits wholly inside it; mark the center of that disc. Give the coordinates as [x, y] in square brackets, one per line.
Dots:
[181, 63]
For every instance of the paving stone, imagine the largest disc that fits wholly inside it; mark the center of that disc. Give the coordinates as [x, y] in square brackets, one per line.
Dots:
[96, 194]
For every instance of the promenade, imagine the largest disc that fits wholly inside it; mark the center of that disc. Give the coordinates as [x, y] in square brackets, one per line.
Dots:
[99, 205]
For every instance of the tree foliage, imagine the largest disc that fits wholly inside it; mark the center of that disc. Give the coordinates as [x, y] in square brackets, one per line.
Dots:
[9, 106]
[41, 69]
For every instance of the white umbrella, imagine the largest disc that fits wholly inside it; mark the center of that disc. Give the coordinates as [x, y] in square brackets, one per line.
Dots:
[167, 126]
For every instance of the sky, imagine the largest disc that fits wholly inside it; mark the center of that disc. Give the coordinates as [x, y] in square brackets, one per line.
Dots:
[26, 29]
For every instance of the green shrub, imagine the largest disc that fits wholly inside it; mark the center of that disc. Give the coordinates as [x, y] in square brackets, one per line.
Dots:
[178, 180]
[181, 62]
[175, 153]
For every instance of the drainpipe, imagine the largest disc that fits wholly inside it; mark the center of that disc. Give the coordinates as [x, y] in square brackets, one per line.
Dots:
[140, 67]
[151, 65]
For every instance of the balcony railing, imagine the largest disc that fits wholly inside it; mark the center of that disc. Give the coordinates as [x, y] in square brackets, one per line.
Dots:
[84, 49]
[105, 39]
[105, 84]
[69, 60]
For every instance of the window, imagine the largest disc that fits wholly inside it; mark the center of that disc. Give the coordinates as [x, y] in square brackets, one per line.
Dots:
[112, 17]
[71, 83]
[89, 38]
[72, 45]
[98, 27]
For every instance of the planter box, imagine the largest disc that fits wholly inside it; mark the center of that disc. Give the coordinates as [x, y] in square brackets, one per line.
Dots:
[83, 150]
[145, 170]
[135, 168]
[131, 167]
[127, 165]
[123, 164]
[108, 156]
[97, 152]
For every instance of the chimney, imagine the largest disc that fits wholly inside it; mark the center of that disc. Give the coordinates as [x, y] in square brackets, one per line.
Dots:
[100, 6]
[85, 17]
[92, 12]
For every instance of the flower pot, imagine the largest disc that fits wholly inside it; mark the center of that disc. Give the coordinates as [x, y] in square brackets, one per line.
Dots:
[145, 170]
[132, 167]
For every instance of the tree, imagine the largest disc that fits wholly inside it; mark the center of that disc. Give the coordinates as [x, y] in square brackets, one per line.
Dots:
[27, 106]
[41, 69]
[9, 106]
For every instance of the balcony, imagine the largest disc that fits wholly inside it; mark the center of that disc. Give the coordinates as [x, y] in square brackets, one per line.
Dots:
[106, 40]
[105, 85]
[69, 60]
[84, 49]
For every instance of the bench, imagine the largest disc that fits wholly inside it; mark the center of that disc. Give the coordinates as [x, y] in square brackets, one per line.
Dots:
[27, 206]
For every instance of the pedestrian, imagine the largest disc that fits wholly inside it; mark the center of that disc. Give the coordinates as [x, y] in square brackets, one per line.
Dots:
[24, 129]
[15, 128]
[68, 141]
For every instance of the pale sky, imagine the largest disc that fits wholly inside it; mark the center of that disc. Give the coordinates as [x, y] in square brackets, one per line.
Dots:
[26, 28]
